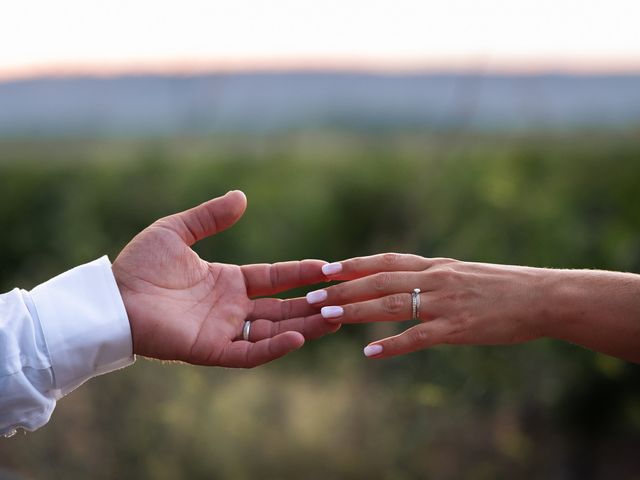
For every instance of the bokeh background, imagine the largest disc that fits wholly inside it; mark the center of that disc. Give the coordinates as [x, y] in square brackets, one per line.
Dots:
[510, 135]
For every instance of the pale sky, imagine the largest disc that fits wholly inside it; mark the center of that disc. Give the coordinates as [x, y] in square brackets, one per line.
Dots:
[188, 35]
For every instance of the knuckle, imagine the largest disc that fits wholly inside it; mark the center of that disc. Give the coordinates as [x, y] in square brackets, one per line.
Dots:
[285, 308]
[448, 297]
[419, 336]
[425, 276]
[274, 329]
[299, 271]
[389, 260]
[444, 261]
[355, 264]
[336, 294]
[393, 304]
[382, 281]
[209, 220]
[455, 300]
[353, 311]
[442, 274]
[274, 276]
[461, 321]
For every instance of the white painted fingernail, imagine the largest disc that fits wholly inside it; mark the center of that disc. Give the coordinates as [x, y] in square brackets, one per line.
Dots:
[332, 268]
[317, 296]
[331, 312]
[372, 350]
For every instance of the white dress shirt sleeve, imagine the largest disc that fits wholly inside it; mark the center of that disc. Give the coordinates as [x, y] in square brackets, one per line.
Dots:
[55, 338]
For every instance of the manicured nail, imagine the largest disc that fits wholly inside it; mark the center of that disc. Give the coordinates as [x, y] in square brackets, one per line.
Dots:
[317, 296]
[332, 268]
[331, 312]
[372, 350]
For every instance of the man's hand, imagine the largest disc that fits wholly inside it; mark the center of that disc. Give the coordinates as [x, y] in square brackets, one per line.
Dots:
[184, 308]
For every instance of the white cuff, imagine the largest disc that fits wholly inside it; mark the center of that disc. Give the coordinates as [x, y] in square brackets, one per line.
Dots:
[85, 324]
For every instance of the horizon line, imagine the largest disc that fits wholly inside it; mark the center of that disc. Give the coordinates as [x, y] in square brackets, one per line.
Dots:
[194, 68]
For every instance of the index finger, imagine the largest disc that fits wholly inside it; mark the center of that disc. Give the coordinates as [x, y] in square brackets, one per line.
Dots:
[270, 278]
[385, 262]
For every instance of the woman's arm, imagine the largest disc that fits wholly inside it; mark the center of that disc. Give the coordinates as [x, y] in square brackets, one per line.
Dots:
[480, 303]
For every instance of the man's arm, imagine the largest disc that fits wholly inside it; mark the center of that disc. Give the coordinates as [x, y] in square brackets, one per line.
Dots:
[55, 338]
[158, 299]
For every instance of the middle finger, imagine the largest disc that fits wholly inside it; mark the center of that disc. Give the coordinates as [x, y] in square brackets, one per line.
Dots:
[367, 288]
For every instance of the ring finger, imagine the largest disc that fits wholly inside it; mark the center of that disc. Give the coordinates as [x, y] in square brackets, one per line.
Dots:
[391, 308]
[310, 327]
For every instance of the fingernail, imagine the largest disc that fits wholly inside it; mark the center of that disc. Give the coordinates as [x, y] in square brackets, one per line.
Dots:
[332, 268]
[372, 350]
[331, 312]
[317, 296]
[231, 192]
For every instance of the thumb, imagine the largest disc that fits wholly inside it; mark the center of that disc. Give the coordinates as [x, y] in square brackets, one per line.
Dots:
[208, 218]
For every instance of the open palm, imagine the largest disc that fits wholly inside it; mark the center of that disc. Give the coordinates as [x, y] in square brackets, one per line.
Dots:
[184, 308]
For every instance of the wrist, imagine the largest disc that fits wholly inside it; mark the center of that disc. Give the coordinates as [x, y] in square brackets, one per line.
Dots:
[126, 294]
[84, 324]
[552, 293]
[568, 301]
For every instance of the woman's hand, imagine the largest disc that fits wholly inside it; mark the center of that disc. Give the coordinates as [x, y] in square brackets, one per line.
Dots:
[184, 308]
[460, 302]
[479, 303]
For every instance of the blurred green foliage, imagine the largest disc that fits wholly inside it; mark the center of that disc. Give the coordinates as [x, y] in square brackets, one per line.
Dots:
[541, 410]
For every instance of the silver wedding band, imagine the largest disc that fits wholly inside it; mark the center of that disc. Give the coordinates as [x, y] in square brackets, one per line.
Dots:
[246, 329]
[415, 304]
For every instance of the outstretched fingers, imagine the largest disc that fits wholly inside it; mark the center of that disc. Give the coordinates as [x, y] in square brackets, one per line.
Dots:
[373, 286]
[390, 308]
[268, 279]
[385, 262]
[413, 339]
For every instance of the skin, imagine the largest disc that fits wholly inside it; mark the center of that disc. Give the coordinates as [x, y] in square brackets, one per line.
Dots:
[182, 307]
[465, 303]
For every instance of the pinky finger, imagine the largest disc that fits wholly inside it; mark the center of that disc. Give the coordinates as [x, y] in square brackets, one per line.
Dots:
[243, 354]
[413, 339]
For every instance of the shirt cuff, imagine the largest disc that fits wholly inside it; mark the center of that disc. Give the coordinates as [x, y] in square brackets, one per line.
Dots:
[85, 324]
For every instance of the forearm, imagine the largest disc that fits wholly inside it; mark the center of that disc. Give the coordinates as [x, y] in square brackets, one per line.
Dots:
[468, 303]
[596, 309]
[56, 337]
